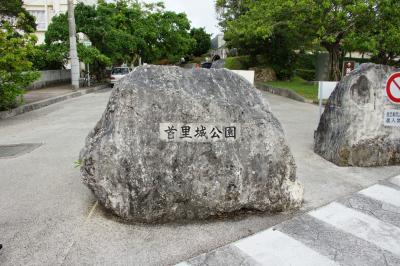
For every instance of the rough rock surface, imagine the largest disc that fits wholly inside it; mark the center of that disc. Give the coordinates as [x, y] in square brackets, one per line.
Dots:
[218, 64]
[351, 131]
[142, 178]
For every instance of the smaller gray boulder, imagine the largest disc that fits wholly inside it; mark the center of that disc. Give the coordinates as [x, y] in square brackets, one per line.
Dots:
[352, 130]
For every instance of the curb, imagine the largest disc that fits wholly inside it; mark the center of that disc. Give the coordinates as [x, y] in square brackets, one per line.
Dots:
[283, 92]
[46, 102]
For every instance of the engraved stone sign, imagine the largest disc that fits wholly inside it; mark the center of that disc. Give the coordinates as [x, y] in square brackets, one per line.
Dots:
[203, 132]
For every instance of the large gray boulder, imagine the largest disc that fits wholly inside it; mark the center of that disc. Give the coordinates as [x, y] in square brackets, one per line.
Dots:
[351, 131]
[141, 176]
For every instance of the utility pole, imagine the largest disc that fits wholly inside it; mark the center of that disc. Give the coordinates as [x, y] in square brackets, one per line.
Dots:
[72, 46]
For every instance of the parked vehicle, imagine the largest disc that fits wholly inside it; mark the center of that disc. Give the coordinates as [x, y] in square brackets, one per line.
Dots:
[206, 65]
[118, 73]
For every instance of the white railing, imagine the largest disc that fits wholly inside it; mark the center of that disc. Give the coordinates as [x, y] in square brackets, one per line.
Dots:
[247, 74]
[325, 89]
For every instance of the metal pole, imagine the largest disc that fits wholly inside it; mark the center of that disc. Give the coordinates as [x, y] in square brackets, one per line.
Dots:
[88, 73]
[72, 46]
[320, 93]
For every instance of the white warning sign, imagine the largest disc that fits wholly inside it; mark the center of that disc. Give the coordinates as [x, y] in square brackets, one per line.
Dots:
[392, 118]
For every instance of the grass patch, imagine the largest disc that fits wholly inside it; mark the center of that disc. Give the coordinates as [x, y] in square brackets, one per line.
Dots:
[299, 86]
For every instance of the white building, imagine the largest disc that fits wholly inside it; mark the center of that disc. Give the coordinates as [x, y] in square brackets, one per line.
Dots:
[45, 10]
[218, 41]
[218, 46]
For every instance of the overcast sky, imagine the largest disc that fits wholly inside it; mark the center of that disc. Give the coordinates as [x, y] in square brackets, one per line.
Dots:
[200, 12]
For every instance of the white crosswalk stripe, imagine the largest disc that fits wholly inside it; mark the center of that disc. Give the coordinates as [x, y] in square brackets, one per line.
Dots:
[396, 180]
[275, 248]
[383, 193]
[364, 226]
[182, 264]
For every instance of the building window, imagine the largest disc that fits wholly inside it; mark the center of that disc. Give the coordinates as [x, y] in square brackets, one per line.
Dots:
[40, 17]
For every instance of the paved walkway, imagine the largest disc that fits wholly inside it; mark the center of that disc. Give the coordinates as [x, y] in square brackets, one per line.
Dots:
[39, 98]
[45, 93]
[362, 229]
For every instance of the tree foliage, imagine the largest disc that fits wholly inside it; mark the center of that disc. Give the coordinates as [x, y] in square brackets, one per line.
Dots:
[16, 45]
[230, 10]
[13, 13]
[330, 23]
[15, 68]
[202, 41]
[49, 57]
[123, 31]
[57, 47]
[261, 27]
[383, 35]
[336, 25]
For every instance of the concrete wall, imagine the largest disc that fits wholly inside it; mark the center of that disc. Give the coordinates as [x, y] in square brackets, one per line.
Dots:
[49, 77]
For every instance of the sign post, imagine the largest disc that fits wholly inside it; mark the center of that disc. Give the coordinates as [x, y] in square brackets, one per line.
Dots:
[88, 44]
[348, 66]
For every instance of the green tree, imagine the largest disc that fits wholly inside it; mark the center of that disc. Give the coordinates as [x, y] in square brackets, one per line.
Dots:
[16, 45]
[108, 27]
[332, 22]
[202, 41]
[13, 13]
[383, 36]
[49, 57]
[57, 43]
[261, 28]
[323, 22]
[229, 10]
[90, 55]
[167, 36]
[124, 31]
[15, 68]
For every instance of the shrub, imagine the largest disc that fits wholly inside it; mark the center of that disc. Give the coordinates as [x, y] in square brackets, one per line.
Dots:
[306, 61]
[49, 57]
[306, 74]
[284, 72]
[238, 63]
[15, 68]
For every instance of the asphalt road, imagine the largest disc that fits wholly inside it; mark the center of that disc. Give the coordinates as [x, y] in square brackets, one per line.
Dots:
[48, 217]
